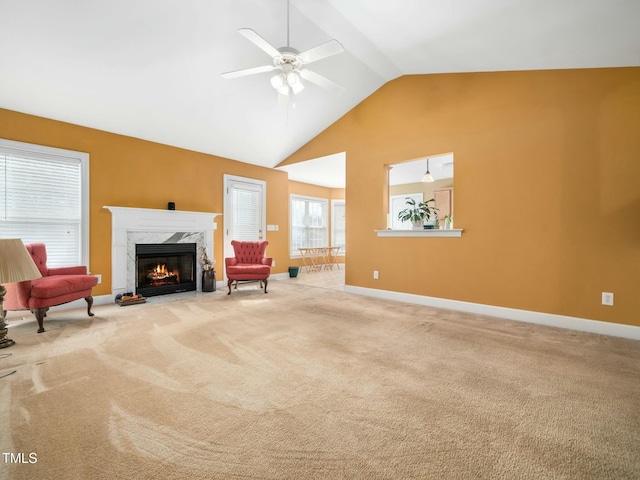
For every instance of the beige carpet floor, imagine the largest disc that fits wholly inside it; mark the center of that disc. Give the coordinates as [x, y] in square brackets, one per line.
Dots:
[313, 383]
[332, 279]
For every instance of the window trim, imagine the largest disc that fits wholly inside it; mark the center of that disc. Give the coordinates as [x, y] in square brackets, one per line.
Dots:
[334, 202]
[22, 148]
[438, 233]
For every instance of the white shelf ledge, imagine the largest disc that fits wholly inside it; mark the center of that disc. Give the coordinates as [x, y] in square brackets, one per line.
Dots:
[438, 233]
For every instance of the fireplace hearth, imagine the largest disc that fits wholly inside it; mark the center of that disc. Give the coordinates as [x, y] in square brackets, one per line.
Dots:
[165, 268]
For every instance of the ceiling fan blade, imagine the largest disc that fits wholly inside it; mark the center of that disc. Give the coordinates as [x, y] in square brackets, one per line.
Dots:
[259, 42]
[249, 71]
[321, 81]
[332, 47]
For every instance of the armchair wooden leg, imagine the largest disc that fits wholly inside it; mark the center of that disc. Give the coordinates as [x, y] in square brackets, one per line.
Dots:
[89, 301]
[265, 285]
[229, 285]
[40, 313]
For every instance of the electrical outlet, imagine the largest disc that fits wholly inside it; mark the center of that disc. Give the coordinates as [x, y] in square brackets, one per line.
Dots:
[375, 274]
[273, 263]
[99, 277]
[607, 298]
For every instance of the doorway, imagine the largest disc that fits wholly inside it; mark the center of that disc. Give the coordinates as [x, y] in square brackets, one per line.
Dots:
[244, 211]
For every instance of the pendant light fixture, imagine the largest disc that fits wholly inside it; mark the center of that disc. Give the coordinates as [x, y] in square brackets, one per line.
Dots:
[427, 177]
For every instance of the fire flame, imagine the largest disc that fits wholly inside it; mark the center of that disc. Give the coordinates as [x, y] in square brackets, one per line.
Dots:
[161, 272]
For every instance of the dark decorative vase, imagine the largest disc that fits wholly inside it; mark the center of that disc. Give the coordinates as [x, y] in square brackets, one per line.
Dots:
[208, 280]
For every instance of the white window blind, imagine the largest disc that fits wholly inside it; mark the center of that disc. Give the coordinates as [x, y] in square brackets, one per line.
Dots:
[41, 201]
[308, 223]
[246, 212]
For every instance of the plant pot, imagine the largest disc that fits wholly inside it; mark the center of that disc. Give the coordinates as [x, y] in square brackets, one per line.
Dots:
[293, 272]
[209, 281]
[431, 224]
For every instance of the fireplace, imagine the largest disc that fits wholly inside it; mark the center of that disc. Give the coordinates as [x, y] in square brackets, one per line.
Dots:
[165, 268]
[134, 226]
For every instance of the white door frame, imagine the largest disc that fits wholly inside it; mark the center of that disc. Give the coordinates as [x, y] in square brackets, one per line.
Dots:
[228, 211]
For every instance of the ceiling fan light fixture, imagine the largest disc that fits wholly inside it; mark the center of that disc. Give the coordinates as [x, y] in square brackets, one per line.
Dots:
[277, 81]
[292, 78]
[286, 82]
[297, 87]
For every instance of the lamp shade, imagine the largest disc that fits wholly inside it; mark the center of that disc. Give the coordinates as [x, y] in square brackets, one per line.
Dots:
[277, 81]
[16, 265]
[427, 177]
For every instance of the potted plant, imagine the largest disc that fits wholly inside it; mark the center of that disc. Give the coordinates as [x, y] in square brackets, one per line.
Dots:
[417, 214]
[448, 220]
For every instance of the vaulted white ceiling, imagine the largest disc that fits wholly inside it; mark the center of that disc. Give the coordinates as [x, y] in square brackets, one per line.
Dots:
[151, 68]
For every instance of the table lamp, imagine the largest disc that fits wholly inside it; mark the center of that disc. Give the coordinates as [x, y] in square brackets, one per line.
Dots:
[16, 265]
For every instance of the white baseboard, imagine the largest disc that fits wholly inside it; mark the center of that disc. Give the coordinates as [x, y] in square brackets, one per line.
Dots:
[279, 276]
[527, 316]
[104, 299]
[549, 319]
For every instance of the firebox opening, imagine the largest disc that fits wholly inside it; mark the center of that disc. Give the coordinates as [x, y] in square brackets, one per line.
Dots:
[165, 268]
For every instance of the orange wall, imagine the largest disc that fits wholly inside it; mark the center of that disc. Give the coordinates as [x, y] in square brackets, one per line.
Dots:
[547, 188]
[129, 172]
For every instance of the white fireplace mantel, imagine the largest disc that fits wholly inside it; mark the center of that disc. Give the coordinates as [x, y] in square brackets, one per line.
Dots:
[128, 223]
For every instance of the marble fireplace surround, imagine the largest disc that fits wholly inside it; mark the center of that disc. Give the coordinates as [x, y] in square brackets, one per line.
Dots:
[147, 225]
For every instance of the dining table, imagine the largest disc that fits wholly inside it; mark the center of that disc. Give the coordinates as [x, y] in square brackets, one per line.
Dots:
[315, 259]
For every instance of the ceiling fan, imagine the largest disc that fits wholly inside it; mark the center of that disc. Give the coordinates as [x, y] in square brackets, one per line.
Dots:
[290, 64]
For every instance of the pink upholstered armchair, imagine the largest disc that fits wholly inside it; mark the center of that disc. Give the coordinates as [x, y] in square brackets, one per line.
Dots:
[249, 263]
[57, 286]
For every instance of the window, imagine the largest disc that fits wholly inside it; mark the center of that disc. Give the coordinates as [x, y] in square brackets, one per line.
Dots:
[338, 225]
[44, 198]
[308, 223]
[397, 203]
